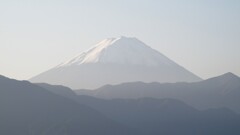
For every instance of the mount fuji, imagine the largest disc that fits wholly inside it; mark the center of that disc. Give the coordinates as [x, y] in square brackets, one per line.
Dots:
[115, 61]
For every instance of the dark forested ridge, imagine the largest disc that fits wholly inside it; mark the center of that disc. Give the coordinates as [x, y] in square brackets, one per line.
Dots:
[27, 109]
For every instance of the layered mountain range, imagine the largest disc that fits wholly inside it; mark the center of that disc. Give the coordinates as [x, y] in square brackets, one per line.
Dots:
[209, 106]
[206, 107]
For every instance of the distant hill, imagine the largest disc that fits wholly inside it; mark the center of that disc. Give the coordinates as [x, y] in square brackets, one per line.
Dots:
[221, 91]
[27, 109]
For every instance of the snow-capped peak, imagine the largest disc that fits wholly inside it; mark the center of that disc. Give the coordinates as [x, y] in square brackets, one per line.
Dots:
[115, 61]
[122, 50]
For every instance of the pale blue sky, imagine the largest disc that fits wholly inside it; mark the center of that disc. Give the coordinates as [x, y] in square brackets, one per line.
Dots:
[201, 35]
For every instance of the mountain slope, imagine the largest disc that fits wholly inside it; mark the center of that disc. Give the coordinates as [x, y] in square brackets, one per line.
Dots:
[27, 109]
[222, 91]
[114, 61]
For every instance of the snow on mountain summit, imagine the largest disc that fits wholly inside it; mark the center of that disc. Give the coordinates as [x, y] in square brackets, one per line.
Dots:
[122, 50]
[115, 61]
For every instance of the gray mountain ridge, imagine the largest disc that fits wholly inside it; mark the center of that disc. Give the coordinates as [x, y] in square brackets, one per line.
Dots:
[27, 109]
[221, 91]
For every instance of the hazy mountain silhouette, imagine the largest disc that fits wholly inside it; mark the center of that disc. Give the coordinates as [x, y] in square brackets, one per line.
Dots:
[160, 116]
[27, 109]
[115, 61]
[221, 91]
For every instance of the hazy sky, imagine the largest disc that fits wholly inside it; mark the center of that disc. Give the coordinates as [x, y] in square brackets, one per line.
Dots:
[201, 35]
